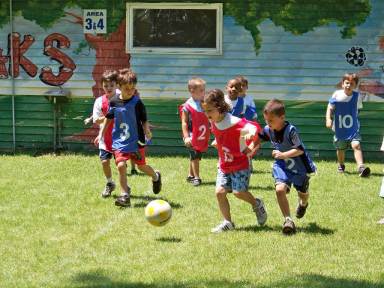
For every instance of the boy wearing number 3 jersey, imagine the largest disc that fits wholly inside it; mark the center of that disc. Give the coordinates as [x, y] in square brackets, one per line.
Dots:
[130, 130]
[343, 108]
[292, 163]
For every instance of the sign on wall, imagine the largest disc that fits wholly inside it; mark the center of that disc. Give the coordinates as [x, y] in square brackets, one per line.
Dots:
[95, 21]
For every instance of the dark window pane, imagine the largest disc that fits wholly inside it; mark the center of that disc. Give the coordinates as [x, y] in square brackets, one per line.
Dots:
[181, 28]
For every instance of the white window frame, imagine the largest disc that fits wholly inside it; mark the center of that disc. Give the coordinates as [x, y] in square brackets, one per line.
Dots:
[174, 50]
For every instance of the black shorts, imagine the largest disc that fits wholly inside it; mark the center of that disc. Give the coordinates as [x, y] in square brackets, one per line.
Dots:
[195, 155]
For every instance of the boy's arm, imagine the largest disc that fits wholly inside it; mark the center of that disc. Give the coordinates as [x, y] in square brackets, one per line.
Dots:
[184, 127]
[106, 123]
[147, 130]
[287, 154]
[328, 116]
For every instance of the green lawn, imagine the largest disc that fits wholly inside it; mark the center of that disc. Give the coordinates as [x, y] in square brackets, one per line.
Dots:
[56, 230]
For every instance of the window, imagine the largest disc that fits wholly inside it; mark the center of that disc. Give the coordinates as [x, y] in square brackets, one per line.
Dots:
[189, 28]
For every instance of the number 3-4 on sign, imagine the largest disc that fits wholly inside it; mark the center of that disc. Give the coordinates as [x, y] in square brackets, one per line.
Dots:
[95, 21]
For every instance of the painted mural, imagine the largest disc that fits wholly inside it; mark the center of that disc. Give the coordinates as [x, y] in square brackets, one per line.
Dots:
[291, 49]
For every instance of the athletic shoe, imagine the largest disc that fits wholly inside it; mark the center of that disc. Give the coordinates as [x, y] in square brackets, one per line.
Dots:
[156, 185]
[134, 172]
[123, 201]
[260, 211]
[289, 226]
[341, 168]
[109, 187]
[196, 182]
[364, 171]
[223, 227]
[300, 210]
[190, 179]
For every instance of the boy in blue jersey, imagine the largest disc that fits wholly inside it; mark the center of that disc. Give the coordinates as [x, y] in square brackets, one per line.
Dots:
[343, 108]
[236, 102]
[130, 131]
[292, 163]
[250, 107]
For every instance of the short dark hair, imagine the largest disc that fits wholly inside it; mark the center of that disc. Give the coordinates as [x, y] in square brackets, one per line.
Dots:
[215, 98]
[244, 81]
[127, 76]
[109, 76]
[274, 106]
[351, 77]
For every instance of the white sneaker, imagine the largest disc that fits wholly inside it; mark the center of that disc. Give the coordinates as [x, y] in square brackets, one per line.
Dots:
[260, 211]
[223, 227]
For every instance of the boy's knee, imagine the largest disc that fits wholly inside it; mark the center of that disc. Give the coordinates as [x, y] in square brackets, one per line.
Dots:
[355, 145]
[220, 192]
[281, 189]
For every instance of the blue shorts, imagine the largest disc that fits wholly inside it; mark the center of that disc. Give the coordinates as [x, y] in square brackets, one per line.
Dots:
[300, 181]
[345, 144]
[105, 155]
[237, 181]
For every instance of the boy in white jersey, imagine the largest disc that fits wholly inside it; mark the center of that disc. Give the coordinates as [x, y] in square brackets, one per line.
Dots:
[342, 117]
[236, 140]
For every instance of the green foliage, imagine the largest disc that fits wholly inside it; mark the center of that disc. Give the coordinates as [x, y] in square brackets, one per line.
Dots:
[56, 230]
[295, 16]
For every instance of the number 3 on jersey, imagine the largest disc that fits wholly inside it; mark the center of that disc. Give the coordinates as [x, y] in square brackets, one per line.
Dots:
[124, 135]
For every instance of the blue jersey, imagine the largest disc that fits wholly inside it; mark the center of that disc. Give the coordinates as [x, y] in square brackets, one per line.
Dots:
[285, 140]
[239, 108]
[346, 123]
[125, 131]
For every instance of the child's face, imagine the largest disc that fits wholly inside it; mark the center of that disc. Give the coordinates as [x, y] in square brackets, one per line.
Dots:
[212, 113]
[128, 90]
[274, 122]
[233, 89]
[197, 92]
[109, 88]
[244, 88]
[348, 86]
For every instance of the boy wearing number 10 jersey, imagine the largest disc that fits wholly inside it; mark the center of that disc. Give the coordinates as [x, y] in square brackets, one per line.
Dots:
[343, 108]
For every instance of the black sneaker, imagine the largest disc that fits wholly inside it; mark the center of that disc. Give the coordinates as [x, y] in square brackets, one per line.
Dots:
[134, 172]
[123, 200]
[289, 227]
[190, 179]
[300, 210]
[109, 187]
[341, 168]
[156, 185]
[364, 171]
[196, 182]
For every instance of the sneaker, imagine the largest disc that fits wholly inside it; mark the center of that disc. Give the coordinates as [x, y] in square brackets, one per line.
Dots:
[341, 168]
[190, 179]
[134, 172]
[364, 171]
[196, 182]
[109, 187]
[123, 201]
[156, 185]
[261, 213]
[223, 227]
[289, 227]
[300, 210]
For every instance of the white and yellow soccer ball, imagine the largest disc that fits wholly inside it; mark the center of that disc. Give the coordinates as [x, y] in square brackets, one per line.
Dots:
[158, 212]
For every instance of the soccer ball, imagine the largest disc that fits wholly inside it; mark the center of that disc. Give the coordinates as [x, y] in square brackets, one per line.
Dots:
[158, 212]
[356, 56]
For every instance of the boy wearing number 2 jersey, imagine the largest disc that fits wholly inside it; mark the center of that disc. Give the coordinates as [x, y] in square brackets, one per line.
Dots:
[130, 130]
[343, 109]
[292, 163]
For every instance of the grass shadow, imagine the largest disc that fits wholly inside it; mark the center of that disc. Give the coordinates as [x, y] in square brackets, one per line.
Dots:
[267, 188]
[169, 239]
[314, 228]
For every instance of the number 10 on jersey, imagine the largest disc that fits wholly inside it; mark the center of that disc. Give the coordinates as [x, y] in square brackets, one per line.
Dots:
[95, 21]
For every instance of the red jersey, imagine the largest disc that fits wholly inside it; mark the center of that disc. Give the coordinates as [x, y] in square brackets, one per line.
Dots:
[200, 128]
[108, 132]
[231, 158]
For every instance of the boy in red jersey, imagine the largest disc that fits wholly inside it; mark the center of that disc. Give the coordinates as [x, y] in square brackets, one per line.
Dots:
[233, 136]
[100, 109]
[195, 128]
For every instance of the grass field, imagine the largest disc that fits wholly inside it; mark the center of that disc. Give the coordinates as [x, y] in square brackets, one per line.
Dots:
[56, 230]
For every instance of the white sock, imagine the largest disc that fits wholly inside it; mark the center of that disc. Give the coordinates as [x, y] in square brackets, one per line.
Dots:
[109, 180]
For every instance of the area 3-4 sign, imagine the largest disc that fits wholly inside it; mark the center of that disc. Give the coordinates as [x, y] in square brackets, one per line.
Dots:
[95, 21]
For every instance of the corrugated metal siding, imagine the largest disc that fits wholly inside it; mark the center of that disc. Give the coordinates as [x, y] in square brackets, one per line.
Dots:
[34, 126]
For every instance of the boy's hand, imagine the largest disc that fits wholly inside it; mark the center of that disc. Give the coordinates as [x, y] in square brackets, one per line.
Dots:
[328, 123]
[148, 134]
[214, 144]
[188, 142]
[88, 120]
[96, 140]
[278, 154]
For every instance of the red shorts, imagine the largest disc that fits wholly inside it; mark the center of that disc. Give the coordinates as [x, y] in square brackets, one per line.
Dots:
[123, 156]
